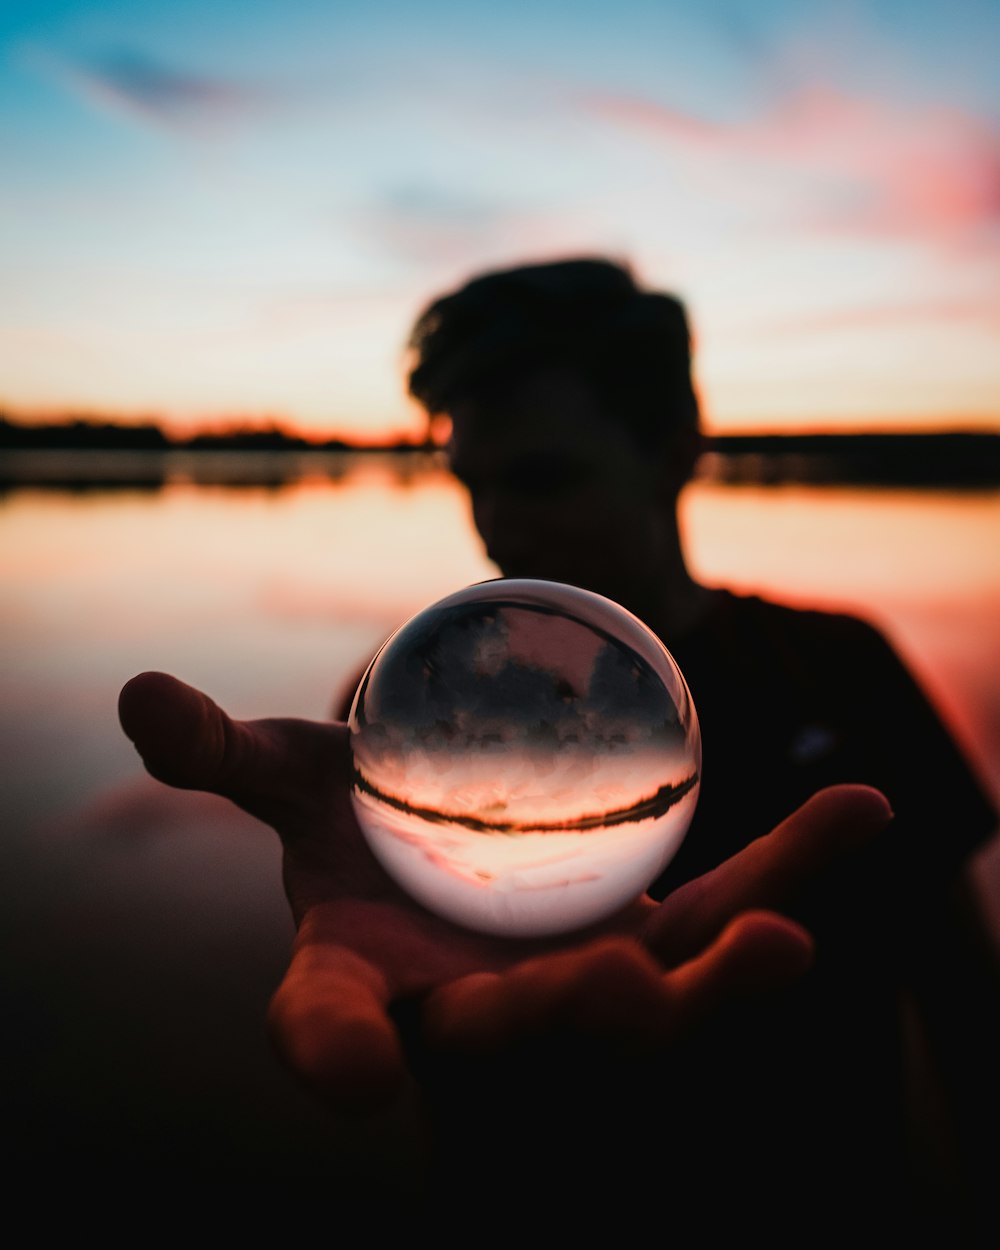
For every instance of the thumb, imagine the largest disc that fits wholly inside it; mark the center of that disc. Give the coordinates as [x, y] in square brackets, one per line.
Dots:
[183, 737]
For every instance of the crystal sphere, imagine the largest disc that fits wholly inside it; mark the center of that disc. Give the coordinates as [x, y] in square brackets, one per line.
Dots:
[526, 757]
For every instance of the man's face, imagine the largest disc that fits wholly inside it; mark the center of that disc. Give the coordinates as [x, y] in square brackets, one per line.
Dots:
[559, 491]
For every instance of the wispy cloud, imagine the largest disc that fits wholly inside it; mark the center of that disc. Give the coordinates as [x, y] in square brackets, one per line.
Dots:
[129, 81]
[443, 228]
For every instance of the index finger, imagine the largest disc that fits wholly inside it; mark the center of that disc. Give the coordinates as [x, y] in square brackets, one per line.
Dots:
[769, 872]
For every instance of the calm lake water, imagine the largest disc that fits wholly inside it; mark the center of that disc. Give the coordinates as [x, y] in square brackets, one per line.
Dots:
[270, 598]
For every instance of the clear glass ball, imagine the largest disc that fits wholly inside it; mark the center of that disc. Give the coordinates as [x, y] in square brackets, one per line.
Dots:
[527, 757]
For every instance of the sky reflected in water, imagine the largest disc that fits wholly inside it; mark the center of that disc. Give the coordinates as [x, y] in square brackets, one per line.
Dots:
[272, 598]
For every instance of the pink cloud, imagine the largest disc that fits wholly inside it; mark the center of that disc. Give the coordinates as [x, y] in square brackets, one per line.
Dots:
[880, 167]
[655, 120]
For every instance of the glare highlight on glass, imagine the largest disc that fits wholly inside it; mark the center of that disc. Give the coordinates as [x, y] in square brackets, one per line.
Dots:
[527, 757]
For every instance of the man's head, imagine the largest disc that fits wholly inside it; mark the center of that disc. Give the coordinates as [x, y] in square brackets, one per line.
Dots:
[587, 317]
[574, 420]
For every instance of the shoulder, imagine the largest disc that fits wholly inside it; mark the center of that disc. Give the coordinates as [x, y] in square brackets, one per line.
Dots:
[752, 612]
[842, 667]
[815, 642]
[835, 658]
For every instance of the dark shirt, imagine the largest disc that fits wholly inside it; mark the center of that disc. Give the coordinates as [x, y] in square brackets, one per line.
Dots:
[791, 701]
[818, 1096]
[791, 1118]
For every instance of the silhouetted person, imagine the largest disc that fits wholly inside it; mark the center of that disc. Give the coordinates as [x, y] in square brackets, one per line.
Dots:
[676, 1066]
[574, 428]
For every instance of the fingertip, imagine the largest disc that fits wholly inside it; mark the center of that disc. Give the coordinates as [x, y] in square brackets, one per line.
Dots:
[861, 804]
[134, 698]
[758, 953]
[328, 1022]
[767, 950]
[459, 1016]
[149, 694]
[179, 732]
[354, 1068]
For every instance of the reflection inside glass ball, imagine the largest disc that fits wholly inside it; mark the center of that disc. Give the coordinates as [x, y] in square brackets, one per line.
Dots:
[526, 757]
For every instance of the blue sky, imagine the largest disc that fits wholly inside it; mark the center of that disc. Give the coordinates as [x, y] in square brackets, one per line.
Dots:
[225, 209]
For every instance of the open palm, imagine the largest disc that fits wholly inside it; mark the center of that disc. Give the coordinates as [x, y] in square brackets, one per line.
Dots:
[635, 981]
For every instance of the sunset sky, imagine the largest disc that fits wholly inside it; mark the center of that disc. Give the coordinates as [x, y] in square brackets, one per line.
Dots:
[236, 209]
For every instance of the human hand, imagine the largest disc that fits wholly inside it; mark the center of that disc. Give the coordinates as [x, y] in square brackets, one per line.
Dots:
[634, 983]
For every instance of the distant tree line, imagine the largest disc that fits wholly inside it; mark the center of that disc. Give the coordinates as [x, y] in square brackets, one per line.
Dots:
[952, 457]
[86, 434]
[960, 458]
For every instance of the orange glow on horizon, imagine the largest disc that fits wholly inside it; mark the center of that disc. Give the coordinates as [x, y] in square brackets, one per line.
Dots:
[412, 427]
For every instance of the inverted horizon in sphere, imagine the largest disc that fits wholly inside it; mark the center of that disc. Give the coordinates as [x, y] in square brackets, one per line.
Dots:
[526, 755]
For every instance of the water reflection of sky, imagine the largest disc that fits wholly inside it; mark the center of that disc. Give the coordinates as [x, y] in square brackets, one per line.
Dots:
[272, 599]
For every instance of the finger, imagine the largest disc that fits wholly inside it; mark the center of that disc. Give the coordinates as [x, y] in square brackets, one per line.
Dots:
[329, 1022]
[188, 741]
[614, 992]
[184, 738]
[610, 990]
[770, 872]
[757, 953]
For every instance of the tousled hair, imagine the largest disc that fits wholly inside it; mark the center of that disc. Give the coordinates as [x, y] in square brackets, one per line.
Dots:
[587, 315]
